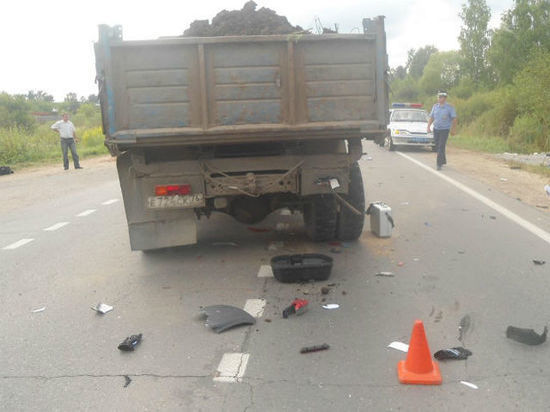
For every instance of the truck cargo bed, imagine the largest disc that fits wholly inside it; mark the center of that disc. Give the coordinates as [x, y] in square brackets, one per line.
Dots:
[188, 91]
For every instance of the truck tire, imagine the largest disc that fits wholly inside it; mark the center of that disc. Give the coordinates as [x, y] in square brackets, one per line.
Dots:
[350, 225]
[320, 217]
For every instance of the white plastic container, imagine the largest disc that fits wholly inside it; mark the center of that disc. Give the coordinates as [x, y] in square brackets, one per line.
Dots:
[381, 221]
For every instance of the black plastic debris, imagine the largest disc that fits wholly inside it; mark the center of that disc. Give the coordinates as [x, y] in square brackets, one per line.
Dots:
[464, 327]
[130, 343]
[316, 348]
[223, 317]
[526, 336]
[128, 380]
[539, 262]
[5, 170]
[457, 353]
[325, 290]
[301, 268]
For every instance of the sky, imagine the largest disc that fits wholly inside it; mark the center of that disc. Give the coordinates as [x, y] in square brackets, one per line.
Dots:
[48, 45]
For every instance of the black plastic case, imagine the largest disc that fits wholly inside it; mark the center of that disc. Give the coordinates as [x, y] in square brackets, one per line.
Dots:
[301, 268]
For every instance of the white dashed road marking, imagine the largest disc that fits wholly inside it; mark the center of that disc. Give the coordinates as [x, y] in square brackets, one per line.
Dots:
[17, 244]
[232, 367]
[86, 212]
[110, 202]
[255, 307]
[535, 230]
[56, 226]
[265, 272]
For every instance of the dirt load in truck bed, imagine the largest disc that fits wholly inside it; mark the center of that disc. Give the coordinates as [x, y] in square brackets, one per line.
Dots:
[247, 21]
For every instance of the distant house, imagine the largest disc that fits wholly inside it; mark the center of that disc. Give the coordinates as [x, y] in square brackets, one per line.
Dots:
[45, 117]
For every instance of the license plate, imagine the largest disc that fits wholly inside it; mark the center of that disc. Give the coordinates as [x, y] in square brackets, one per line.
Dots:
[420, 140]
[176, 202]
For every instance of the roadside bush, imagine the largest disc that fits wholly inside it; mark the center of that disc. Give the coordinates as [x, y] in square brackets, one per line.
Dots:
[526, 135]
[92, 137]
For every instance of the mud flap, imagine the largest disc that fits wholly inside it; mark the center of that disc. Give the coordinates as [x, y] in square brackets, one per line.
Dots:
[165, 233]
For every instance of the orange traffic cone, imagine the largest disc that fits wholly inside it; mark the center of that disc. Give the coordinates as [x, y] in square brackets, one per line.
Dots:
[419, 368]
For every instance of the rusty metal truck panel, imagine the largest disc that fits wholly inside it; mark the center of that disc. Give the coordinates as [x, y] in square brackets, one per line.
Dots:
[183, 91]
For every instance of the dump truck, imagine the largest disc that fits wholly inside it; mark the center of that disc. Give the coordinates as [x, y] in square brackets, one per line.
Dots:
[242, 125]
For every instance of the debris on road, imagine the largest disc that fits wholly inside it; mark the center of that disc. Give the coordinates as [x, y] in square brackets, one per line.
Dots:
[222, 317]
[130, 343]
[282, 227]
[315, 348]
[503, 179]
[128, 380]
[400, 264]
[325, 290]
[247, 21]
[456, 353]
[381, 219]
[539, 262]
[297, 307]
[42, 309]
[225, 244]
[493, 217]
[5, 170]
[259, 229]
[102, 308]
[331, 306]
[403, 347]
[470, 385]
[301, 268]
[464, 327]
[547, 189]
[273, 246]
[386, 274]
[526, 336]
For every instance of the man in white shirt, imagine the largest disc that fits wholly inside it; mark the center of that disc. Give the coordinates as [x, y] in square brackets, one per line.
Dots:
[66, 131]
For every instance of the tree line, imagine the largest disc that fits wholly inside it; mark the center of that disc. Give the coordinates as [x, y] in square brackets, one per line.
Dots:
[16, 111]
[498, 80]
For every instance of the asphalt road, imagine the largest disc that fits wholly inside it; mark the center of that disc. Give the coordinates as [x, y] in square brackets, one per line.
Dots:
[452, 255]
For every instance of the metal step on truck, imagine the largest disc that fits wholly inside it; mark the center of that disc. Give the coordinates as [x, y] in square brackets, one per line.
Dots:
[242, 125]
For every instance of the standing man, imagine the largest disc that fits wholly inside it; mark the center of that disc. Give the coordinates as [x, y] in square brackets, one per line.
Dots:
[443, 117]
[66, 131]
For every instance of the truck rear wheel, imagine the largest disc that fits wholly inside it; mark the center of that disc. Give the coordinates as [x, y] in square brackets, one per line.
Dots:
[350, 224]
[320, 217]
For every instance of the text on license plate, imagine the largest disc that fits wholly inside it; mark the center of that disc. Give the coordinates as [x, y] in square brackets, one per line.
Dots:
[175, 202]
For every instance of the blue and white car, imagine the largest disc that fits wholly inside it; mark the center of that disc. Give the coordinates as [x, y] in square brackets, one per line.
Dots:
[408, 126]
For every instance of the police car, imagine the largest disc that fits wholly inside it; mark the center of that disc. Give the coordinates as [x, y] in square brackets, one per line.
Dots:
[408, 126]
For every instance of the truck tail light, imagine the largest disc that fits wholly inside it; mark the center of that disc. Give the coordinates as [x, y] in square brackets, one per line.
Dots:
[172, 190]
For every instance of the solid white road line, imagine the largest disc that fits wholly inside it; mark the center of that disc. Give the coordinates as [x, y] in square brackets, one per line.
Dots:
[265, 271]
[56, 226]
[17, 244]
[255, 307]
[232, 367]
[535, 230]
[110, 202]
[86, 212]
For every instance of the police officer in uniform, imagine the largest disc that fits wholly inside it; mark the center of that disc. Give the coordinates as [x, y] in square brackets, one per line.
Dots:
[443, 117]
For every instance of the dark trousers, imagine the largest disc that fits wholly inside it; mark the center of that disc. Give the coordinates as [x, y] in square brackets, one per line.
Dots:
[69, 144]
[440, 140]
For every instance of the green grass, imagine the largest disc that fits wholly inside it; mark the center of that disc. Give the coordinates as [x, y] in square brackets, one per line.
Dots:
[20, 148]
[480, 144]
